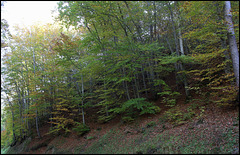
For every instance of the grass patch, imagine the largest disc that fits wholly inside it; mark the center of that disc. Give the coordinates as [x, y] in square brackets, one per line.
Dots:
[79, 149]
[115, 142]
[90, 137]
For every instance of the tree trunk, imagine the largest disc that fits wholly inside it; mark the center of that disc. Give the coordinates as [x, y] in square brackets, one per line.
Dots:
[37, 127]
[232, 41]
[144, 83]
[174, 29]
[14, 135]
[155, 21]
[180, 64]
[136, 85]
[126, 85]
[82, 100]
[28, 92]
[105, 97]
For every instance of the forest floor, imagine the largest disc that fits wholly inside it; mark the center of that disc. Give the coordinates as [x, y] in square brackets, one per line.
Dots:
[212, 130]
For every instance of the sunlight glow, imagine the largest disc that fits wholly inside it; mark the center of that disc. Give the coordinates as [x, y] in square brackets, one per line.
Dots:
[25, 13]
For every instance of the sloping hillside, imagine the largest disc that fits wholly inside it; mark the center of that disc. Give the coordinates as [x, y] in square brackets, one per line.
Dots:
[212, 130]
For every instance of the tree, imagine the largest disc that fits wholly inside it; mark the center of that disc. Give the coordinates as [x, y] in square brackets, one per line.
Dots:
[116, 58]
[5, 33]
[205, 31]
[232, 40]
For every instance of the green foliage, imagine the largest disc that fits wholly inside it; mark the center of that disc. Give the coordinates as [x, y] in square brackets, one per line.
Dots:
[127, 119]
[193, 106]
[175, 59]
[60, 120]
[176, 116]
[139, 104]
[91, 137]
[104, 118]
[169, 98]
[151, 124]
[187, 116]
[4, 139]
[113, 60]
[208, 35]
[81, 129]
[227, 98]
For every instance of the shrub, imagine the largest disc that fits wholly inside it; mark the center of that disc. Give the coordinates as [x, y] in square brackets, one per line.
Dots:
[137, 105]
[163, 119]
[194, 105]
[170, 100]
[81, 129]
[174, 115]
[189, 115]
[104, 119]
[127, 119]
[150, 124]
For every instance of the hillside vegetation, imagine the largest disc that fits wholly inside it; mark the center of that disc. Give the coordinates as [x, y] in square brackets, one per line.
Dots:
[123, 77]
[216, 132]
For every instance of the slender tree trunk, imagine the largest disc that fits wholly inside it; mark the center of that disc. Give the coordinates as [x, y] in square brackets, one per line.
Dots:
[106, 106]
[181, 65]
[136, 85]
[13, 128]
[151, 77]
[232, 41]
[174, 29]
[126, 85]
[28, 101]
[82, 100]
[51, 102]
[180, 41]
[134, 92]
[150, 24]
[37, 127]
[79, 92]
[155, 21]
[138, 28]
[144, 83]
[20, 106]
[223, 40]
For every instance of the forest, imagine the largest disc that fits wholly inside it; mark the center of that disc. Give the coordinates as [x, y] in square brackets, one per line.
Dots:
[103, 60]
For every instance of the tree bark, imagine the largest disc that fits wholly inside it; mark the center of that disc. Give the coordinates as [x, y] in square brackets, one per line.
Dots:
[37, 127]
[174, 29]
[14, 135]
[232, 41]
[144, 83]
[82, 100]
[180, 64]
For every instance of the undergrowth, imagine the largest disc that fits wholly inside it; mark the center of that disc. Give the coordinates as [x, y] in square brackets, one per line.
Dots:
[115, 142]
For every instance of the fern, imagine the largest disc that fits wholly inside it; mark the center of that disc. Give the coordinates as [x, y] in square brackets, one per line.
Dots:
[81, 129]
[137, 105]
[169, 97]
[174, 59]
